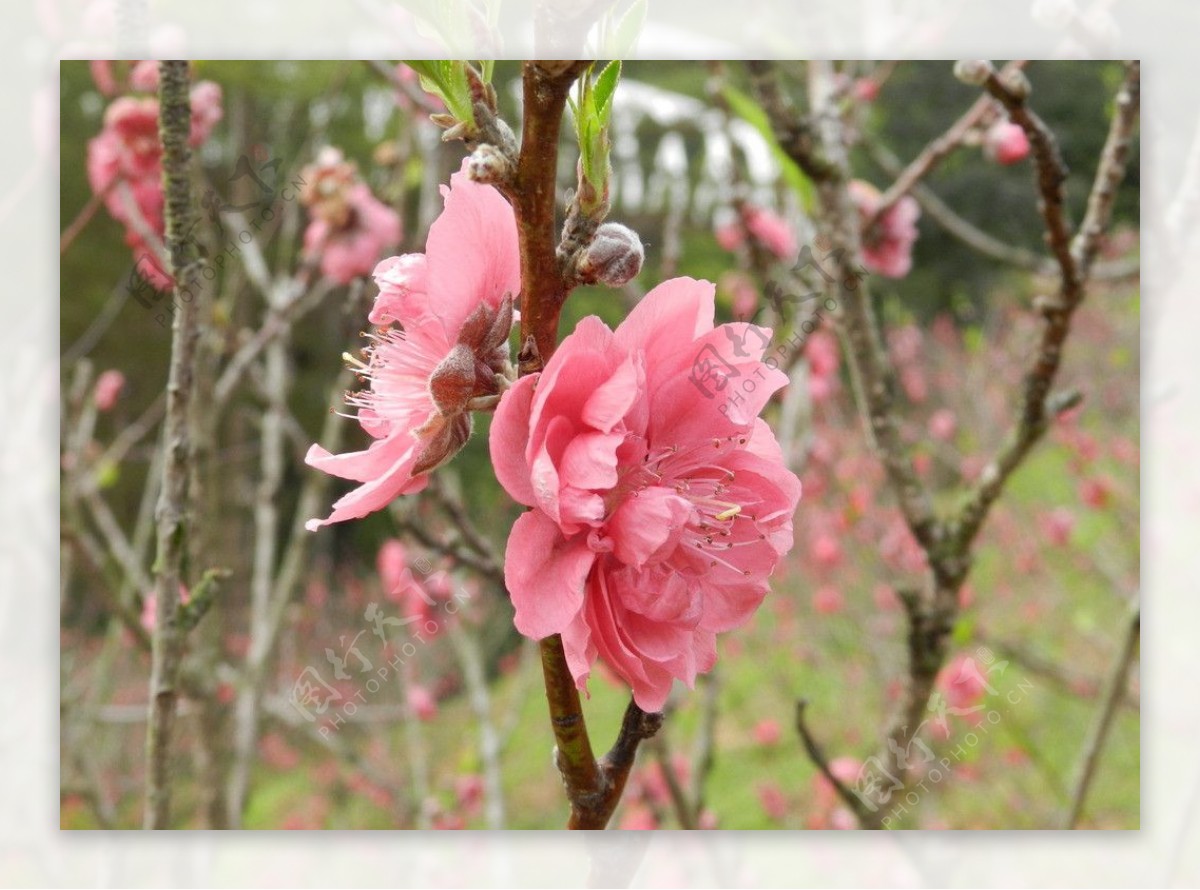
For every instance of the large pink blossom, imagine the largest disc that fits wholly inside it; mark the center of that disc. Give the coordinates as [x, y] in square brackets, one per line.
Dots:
[452, 312]
[661, 502]
[887, 246]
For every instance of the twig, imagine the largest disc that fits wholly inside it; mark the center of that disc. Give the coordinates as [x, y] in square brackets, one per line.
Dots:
[466, 646]
[933, 153]
[79, 223]
[1114, 692]
[174, 127]
[1038, 406]
[684, 812]
[862, 812]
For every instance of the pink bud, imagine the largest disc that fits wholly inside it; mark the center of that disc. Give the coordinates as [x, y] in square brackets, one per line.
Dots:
[109, 386]
[773, 802]
[1005, 143]
[828, 600]
[866, 89]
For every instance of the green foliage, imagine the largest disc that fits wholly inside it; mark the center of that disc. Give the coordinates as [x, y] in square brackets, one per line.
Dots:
[750, 111]
[446, 79]
[592, 111]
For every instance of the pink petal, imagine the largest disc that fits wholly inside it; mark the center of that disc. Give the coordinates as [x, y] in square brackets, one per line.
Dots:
[509, 437]
[472, 251]
[643, 524]
[545, 574]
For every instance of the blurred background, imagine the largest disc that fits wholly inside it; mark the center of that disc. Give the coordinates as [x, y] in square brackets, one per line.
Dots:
[290, 723]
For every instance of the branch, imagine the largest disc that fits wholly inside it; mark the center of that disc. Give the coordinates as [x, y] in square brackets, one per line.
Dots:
[1114, 693]
[1038, 405]
[862, 812]
[174, 127]
[924, 163]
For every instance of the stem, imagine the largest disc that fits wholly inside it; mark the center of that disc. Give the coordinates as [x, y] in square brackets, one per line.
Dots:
[174, 127]
[1114, 694]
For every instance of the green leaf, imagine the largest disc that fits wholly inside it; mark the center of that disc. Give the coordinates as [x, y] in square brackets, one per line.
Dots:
[446, 79]
[605, 88]
[749, 111]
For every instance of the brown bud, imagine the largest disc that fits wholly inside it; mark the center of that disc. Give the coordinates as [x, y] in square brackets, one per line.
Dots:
[613, 257]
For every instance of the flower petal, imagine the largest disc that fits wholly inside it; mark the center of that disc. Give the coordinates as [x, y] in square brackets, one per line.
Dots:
[545, 573]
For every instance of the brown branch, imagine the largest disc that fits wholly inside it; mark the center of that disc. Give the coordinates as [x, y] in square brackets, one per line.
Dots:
[1038, 405]
[812, 747]
[684, 812]
[933, 154]
[1114, 693]
[174, 127]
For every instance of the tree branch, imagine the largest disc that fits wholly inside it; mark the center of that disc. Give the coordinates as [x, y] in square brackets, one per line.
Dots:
[1114, 693]
[174, 127]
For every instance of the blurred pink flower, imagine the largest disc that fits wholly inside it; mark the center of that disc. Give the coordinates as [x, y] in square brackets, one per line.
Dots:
[887, 248]
[143, 77]
[109, 386]
[742, 293]
[866, 89]
[1057, 525]
[638, 818]
[1005, 142]
[661, 504]
[468, 790]
[826, 551]
[773, 232]
[456, 321]
[773, 801]
[828, 600]
[1095, 492]
[767, 732]
[943, 424]
[421, 702]
[352, 251]
[963, 683]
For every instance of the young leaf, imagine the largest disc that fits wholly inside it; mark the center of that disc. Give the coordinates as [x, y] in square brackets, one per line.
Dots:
[747, 109]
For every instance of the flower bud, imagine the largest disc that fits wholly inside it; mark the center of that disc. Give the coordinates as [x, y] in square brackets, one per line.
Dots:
[488, 165]
[1017, 83]
[614, 256]
[973, 72]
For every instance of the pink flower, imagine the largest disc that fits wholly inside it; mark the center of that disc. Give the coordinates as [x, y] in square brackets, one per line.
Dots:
[866, 89]
[638, 818]
[661, 502]
[1057, 526]
[773, 232]
[108, 389]
[767, 732]
[826, 551]
[1005, 143]
[143, 77]
[828, 600]
[207, 112]
[773, 802]
[766, 227]
[455, 305]
[421, 702]
[943, 424]
[1095, 492]
[963, 683]
[468, 790]
[887, 248]
[353, 250]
